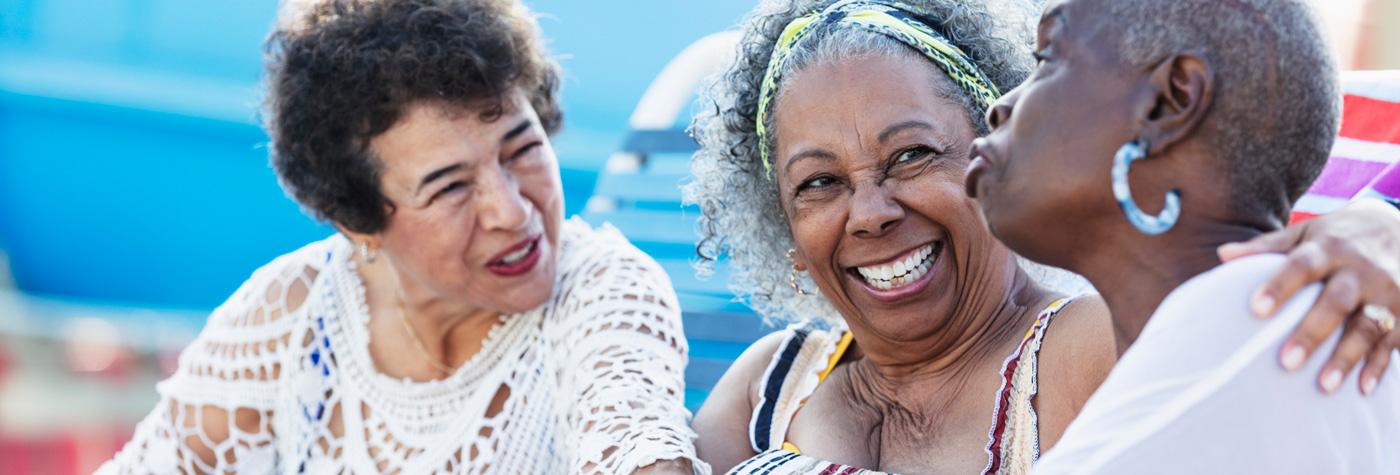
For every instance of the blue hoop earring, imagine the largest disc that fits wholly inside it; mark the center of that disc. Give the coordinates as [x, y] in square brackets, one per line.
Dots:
[1148, 224]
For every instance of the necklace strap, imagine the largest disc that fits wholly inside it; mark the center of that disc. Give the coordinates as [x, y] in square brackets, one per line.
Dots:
[418, 342]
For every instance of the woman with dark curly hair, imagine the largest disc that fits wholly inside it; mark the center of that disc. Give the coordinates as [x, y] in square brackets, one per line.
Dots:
[457, 323]
[831, 173]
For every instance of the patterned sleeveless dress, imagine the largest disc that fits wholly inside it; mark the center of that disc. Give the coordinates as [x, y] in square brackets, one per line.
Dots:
[807, 356]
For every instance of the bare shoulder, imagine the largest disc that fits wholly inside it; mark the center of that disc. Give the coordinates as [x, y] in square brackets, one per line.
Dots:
[722, 423]
[1078, 352]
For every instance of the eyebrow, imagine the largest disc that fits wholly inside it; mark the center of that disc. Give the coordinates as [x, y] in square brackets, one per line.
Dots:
[435, 174]
[809, 153]
[900, 127]
[517, 130]
[428, 179]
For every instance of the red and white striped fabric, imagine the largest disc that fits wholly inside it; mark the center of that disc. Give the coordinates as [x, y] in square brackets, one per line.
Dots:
[1364, 159]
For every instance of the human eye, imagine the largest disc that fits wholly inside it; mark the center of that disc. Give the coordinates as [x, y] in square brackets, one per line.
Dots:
[456, 188]
[815, 183]
[912, 154]
[1044, 52]
[524, 151]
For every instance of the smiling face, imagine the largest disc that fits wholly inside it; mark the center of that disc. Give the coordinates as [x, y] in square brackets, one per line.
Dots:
[869, 162]
[477, 204]
[1042, 175]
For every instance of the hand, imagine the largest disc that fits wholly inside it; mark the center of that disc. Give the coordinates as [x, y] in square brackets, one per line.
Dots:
[1355, 253]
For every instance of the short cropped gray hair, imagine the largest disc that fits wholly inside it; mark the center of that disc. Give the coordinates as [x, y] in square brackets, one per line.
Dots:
[741, 216]
[1277, 101]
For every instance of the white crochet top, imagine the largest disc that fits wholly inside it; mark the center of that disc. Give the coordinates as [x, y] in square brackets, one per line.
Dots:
[281, 379]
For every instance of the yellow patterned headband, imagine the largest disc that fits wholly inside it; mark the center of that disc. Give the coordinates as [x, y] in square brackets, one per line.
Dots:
[887, 18]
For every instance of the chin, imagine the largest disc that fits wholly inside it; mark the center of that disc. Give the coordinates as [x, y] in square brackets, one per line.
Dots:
[1029, 244]
[531, 294]
[1013, 232]
[907, 326]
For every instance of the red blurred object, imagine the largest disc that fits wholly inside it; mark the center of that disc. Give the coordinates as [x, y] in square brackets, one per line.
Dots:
[55, 455]
[64, 453]
[1366, 156]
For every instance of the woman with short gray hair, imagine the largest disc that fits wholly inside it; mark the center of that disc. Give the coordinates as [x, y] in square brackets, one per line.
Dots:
[831, 175]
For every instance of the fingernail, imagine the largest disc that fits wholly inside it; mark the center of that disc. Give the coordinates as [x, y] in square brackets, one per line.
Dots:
[1263, 305]
[1368, 384]
[1293, 357]
[1331, 379]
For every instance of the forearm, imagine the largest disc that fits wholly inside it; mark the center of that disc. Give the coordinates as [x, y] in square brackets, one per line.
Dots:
[630, 411]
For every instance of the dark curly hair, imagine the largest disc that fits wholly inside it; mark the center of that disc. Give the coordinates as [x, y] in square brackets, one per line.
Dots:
[344, 71]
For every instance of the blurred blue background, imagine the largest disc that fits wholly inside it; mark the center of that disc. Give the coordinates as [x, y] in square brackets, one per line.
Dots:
[136, 194]
[132, 166]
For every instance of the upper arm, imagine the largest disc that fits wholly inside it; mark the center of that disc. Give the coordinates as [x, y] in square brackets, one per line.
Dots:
[1078, 353]
[722, 423]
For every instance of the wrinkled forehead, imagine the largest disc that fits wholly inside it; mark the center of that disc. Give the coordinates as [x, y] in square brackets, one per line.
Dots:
[864, 87]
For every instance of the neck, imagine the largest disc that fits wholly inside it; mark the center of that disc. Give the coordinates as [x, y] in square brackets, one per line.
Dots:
[1136, 272]
[433, 317]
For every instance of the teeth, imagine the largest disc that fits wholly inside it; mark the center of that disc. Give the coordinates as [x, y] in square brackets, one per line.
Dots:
[516, 256]
[899, 273]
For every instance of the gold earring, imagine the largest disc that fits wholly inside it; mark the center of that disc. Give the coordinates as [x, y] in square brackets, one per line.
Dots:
[367, 253]
[792, 280]
[792, 276]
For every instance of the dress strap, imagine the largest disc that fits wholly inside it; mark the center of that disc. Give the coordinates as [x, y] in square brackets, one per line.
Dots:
[803, 360]
[1013, 441]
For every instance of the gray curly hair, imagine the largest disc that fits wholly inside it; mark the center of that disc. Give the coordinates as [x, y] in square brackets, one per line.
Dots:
[741, 216]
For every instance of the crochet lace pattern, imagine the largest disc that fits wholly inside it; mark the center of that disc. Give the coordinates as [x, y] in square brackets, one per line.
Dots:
[281, 379]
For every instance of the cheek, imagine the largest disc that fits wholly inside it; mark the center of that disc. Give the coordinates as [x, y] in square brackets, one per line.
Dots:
[539, 180]
[940, 195]
[435, 243]
[540, 184]
[436, 231]
[817, 228]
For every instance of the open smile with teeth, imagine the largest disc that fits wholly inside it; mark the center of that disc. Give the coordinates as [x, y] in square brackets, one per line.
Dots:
[516, 256]
[902, 271]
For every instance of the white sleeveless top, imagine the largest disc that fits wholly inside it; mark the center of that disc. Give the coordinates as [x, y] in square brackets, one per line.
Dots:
[595, 379]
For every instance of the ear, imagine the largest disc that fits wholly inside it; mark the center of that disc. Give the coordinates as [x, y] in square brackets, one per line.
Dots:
[796, 258]
[357, 238]
[1182, 88]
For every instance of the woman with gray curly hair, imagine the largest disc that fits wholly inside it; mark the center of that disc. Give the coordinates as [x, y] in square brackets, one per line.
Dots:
[831, 173]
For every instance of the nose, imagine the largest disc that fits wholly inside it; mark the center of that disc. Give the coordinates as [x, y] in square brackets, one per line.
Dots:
[873, 211]
[501, 206]
[1000, 112]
